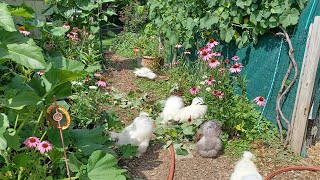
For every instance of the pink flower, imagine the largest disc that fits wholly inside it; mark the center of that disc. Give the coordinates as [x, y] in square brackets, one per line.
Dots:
[210, 81]
[187, 52]
[40, 72]
[26, 33]
[85, 33]
[86, 79]
[226, 61]
[261, 101]
[97, 74]
[205, 55]
[212, 43]
[235, 58]
[31, 142]
[216, 54]
[102, 82]
[44, 146]
[236, 68]
[222, 70]
[178, 46]
[214, 63]
[194, 90]
[218, 93]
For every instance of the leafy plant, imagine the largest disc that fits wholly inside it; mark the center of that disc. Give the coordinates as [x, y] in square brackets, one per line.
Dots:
[240, 20]
[134, 16]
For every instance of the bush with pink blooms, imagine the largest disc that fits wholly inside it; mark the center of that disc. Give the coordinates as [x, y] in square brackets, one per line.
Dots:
[220, 83]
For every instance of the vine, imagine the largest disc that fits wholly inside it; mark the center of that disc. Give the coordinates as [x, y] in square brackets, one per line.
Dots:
[240, 20]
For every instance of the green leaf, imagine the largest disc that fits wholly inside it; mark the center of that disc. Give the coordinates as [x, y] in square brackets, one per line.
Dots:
[182, 151]
[73, 65]
[88, 140]
[12, 139]
[4, 124]
[22, 12]
[6, 20]
[23, 99]
[110, 12]
[289, 17]
[207, 21]
[59, 31]
[12, 37]
[188, 130]
[128, 150]
[92, 68]
[22, 159]
[86, 5]
[28, 55]
[102, 166]
[74, 163]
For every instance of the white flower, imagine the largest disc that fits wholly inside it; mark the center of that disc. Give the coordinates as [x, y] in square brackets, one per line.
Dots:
[204, 77]
[202, 82]
[208, 89]
[93, 87]
[199, 87]
[76, 83]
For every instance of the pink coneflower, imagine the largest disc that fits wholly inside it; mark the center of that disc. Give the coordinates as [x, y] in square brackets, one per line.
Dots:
[44, 146]
[206, 55]
[218, 93]
[210, 81]
[211, 43]
[40, 72]
[222, 70]
[86, 79]
[49, 44]
[235, 58]
[25, 32]
[217, 54]
[261, 101]
[31, 142]
[178, 46]
[102, 82]
[236, 68]
[187, 52]
[194, 90]
[226, 61]
[214, 63]
[97, 74]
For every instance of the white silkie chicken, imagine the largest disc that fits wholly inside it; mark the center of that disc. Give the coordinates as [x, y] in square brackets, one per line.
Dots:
[172, 106]
[138, 133]
[196, 110]
[145, 72]
[245, 169]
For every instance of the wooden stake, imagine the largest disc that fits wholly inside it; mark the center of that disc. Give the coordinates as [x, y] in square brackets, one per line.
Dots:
[305, 88]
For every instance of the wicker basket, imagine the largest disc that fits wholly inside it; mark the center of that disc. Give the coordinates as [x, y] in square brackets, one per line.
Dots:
[153, 63]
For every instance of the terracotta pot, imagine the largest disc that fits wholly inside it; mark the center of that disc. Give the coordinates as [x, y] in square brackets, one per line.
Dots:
[151, 62]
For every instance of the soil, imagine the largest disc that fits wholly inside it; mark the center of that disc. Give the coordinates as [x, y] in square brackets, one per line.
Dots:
[155, 163]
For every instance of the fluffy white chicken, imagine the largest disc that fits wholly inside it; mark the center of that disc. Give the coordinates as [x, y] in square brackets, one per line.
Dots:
[194, 111]
[145, 72]
[172, 106]
[138, 133]
[245, 169]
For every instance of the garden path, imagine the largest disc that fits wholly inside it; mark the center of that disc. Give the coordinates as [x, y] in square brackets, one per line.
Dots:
[155, 163]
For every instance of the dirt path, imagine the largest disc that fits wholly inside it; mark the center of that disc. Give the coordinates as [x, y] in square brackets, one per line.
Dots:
[154, 165]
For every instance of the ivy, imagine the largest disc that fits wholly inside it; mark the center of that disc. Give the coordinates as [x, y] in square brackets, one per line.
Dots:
[181, 21]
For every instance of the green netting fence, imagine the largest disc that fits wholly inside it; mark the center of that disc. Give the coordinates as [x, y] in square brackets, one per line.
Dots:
[265, 64]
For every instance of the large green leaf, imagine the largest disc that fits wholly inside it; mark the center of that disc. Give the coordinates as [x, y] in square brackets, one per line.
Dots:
[12, 37]
[28, 55]
[74, 163]
[4, 124]
[88, 140]
[23, 99]
[59, 31]
[102, 166]
[207, 21]
[289, 17]
[6, 20]
[22, 12]
[56, 77]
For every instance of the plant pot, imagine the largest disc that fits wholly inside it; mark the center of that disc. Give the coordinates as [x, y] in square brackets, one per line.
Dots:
[151, 62]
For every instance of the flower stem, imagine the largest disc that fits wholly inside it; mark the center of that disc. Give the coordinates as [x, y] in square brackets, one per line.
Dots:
[39, 118]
